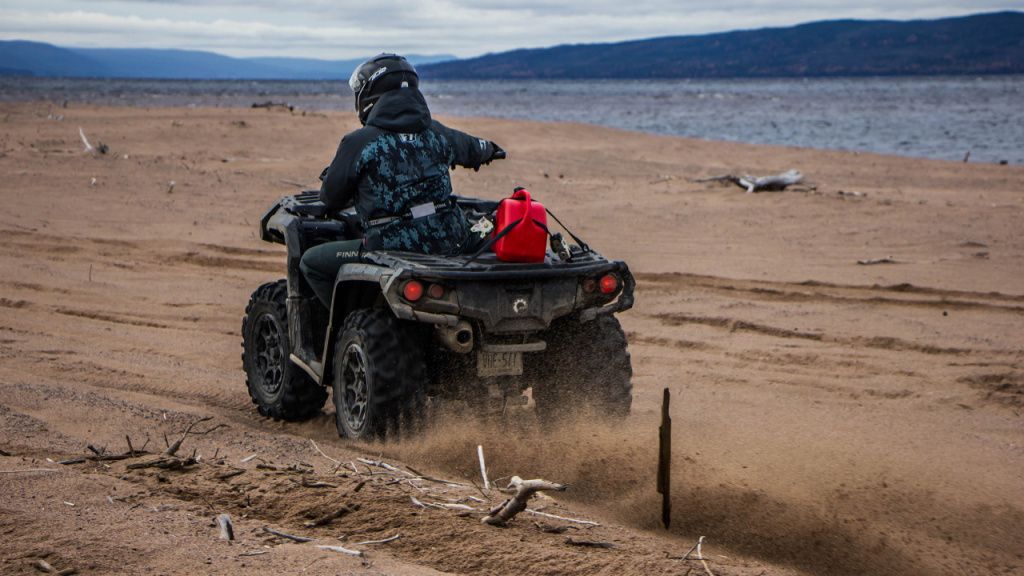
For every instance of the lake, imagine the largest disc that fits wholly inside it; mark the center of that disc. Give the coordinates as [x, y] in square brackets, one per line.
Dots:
[931, 117]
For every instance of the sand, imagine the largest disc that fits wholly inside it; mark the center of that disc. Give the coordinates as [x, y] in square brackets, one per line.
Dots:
[829, 417]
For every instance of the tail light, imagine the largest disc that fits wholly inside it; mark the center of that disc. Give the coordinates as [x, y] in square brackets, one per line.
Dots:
[608, 283]
[435, 291]
[589, 285]
[413, 290]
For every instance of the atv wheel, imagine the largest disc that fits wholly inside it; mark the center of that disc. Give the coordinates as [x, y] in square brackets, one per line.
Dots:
[586, 366]
[279, 388]
[379, 375]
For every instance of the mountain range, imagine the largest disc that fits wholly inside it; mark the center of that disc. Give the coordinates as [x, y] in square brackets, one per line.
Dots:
[25, 58]
[979, 44]
[990, 43]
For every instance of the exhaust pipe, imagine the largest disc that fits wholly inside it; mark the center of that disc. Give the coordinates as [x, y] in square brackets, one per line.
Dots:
[458, 338]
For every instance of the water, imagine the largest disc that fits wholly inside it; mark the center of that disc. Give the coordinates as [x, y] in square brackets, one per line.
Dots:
[936, 117]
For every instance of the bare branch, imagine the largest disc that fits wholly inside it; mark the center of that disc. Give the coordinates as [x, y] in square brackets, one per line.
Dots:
[317, 448]
[340, 549]
[173, 448]
[556, 517]
[285, 535]
[384, 541]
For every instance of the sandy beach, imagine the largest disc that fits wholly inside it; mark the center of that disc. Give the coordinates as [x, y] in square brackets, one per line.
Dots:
[830, 417]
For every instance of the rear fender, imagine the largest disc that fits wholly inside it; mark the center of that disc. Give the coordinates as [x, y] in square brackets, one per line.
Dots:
[357, 286]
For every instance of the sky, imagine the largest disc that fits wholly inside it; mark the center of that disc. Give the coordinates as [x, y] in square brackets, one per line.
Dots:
[337, 29]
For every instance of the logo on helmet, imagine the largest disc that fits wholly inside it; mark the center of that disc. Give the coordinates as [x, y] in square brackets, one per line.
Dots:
[377, 73]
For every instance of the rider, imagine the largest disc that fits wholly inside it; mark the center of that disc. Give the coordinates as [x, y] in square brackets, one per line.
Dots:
[394, 170]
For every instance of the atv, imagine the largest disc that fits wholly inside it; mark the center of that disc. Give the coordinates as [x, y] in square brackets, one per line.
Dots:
[407, 329]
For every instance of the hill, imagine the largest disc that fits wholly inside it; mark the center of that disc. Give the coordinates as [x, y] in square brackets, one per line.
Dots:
[24, 58]
[979, 44]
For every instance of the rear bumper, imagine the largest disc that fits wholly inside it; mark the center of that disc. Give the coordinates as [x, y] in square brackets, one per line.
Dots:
[505, 302]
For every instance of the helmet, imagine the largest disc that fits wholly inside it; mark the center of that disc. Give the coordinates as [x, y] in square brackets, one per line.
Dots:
[380, 74]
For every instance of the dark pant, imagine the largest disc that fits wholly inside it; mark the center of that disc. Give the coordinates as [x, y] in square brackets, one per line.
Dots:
[320, 265]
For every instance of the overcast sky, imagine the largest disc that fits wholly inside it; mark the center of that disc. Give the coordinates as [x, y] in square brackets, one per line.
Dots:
[335, 29]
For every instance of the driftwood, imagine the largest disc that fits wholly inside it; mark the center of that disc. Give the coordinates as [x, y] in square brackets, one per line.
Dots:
[751, 184]
[230, 474]
[253, 553]
[292, 468]
[28, 471]
[285, 535]
[525, 489]
[422, 476]
[227, 530]
[340, 549]
[308, 483]
[874, 261]
[556, 517]
[332, 516]
[269, 104]
[383, 541]
[85, 141]
[700, 556]
[337, 463]
[164, 463]
[173, 448]
[419, 504]
[383, 465]
[168, 459]
[45, 567]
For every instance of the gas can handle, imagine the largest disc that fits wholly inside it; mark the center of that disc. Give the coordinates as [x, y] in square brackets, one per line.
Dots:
[523, 194]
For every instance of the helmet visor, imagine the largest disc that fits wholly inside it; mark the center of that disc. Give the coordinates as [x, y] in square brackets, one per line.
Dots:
[355, 82]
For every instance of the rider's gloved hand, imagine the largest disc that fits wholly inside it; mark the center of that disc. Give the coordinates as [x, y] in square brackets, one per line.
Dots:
[497, 153]
[493, 152]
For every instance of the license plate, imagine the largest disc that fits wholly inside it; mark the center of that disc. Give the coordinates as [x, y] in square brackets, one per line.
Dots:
[499, 363]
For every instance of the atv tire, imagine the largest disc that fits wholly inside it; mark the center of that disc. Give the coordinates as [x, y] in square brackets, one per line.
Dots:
[279, 388]
[585, 368]
[379, 376]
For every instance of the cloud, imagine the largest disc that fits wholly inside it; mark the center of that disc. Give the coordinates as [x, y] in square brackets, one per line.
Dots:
[331, 29]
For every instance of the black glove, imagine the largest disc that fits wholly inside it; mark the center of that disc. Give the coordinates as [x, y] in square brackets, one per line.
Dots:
[497, 153]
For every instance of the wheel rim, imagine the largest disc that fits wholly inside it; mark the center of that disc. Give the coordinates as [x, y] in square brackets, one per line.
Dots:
[355, 389]
[269, 353]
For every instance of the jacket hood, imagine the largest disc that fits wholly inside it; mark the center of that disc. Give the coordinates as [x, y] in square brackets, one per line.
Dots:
[402, 110]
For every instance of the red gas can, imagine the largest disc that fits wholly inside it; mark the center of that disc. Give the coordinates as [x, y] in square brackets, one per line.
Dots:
[526, 241]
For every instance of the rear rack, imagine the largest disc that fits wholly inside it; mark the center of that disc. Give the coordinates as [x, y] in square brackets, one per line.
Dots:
[489, 267]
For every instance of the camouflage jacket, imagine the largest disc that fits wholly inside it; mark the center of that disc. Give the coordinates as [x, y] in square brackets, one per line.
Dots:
[399, 160]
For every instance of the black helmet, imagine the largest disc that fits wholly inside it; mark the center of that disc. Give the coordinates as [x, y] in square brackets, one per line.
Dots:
[380, 74]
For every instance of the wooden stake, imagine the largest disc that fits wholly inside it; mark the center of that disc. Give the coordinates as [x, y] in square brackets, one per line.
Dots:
[483, 467]
[665, 461]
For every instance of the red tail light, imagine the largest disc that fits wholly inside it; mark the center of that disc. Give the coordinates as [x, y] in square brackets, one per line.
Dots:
[413, 290]
[609, 283]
